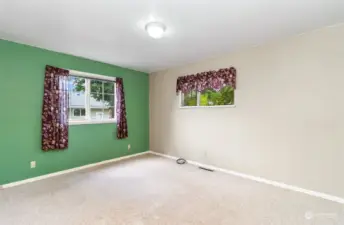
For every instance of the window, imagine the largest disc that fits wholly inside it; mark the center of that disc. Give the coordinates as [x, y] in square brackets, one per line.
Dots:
[208, 98]
[79, 112]
[189, 99]
[91, 100]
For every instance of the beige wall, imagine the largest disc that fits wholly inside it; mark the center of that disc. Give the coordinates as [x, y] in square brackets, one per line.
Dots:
[288, 124]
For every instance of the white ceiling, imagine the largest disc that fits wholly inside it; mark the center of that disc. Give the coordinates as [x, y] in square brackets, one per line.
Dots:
[112, 31]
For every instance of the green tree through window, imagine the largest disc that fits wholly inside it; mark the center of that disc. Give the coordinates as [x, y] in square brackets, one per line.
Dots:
[190, 99]
[97, 89]
[209, 97]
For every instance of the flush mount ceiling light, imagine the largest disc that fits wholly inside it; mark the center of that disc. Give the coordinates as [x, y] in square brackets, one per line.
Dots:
[155, 29]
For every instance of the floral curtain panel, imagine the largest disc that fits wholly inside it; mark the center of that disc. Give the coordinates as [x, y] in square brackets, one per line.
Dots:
[55, 109]
[121, 114]
[210, 79]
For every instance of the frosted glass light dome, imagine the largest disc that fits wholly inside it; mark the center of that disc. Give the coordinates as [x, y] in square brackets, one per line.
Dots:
[155, 29]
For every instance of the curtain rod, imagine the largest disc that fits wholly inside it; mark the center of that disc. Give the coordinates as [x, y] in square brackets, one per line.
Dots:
[90, 75]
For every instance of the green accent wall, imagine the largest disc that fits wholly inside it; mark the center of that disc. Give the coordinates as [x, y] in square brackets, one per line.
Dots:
[21, 85]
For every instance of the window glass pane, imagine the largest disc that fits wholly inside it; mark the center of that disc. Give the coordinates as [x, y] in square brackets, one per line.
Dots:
[102, 100]
[189, 99]
[109, 100]
[210, 97]
[109, 113]
[109, 87]
[96, 106]
[76, 112]
[76, 84]
[83, 112]
[96, 95]
[96, 88]
[97, 114]
[102, 109]
[96, 101]
[77, 97]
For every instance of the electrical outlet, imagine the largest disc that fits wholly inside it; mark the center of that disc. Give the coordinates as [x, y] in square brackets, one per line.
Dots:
[33, 164]
[129, 147]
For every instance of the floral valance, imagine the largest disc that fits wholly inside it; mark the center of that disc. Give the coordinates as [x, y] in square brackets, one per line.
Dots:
[210, 79]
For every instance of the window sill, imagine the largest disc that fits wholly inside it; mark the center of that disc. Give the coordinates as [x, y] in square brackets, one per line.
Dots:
[82, 122]
[207, 107]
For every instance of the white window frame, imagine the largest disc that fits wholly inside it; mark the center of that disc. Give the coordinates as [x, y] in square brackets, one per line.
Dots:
[181, 97]
[89, 76]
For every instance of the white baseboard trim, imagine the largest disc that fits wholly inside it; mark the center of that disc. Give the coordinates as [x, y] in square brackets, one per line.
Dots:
[163, 155]
[30, 180]
[262, 180]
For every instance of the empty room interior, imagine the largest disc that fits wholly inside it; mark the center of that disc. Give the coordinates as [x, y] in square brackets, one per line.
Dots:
[171, 112]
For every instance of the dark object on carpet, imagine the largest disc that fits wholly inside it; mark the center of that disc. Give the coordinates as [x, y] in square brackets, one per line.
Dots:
[203, 168]
[181, 161]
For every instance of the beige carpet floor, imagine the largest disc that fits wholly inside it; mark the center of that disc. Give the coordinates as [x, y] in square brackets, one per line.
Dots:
[154, 190]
